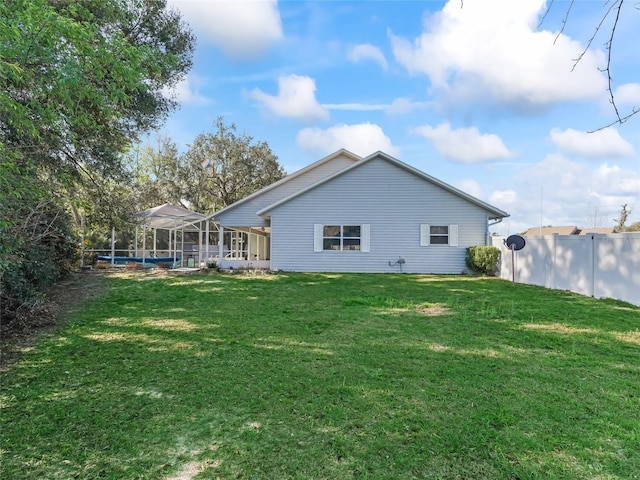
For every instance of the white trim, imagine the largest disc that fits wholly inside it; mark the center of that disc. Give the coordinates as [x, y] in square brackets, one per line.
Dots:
[317, 237]
[453, 235]
[365, 237]
[425, 235]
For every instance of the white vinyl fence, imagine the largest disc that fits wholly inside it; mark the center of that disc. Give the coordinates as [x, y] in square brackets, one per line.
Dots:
[595, 264]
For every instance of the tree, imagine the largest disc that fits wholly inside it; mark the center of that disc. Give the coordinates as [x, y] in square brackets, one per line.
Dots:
[79, 81]
[37, 244]
[157, 170]
[612, 13]
[622, 220]
[596, 220]
[634, 227]
[222, 167]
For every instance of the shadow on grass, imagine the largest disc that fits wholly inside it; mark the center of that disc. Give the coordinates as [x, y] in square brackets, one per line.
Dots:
[329, 376]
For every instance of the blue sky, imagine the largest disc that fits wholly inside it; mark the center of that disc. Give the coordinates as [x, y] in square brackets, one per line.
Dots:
[482, 94]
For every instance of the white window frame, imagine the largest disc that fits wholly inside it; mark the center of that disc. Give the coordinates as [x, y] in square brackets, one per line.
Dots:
[426, 235]
[365, 237]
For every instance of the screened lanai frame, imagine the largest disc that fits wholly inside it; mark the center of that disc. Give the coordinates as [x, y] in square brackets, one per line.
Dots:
[177, 221]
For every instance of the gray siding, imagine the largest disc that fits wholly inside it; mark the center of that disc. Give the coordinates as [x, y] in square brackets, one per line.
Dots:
[244, 214]
[395, 203]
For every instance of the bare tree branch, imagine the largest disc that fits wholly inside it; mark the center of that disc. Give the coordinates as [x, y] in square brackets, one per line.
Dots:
[619, 120]
[564, 20]
[595, 33]
[546, 12]
[608, 69]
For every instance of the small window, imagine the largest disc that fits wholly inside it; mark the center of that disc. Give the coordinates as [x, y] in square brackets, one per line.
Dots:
[439, 235]
[341, 237]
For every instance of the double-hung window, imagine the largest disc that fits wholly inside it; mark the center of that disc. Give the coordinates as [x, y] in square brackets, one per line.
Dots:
[439, 235]
[341, 237]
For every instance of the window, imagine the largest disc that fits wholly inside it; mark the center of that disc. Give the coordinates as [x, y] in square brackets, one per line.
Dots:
[341, 237]
[439, 235]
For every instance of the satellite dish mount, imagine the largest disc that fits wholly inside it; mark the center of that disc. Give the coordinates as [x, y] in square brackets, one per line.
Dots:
[514, 243]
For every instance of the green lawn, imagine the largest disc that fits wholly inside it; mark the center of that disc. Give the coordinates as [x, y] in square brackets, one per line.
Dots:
[313, 376]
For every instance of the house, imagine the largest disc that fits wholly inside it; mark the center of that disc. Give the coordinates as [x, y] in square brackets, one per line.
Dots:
[345, 213]
[566, 230]
[549, 230]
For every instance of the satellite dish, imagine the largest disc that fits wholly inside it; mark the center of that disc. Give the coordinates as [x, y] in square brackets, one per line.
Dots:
[515, 242]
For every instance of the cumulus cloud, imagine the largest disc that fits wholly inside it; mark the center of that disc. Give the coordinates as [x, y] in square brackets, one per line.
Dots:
[243, 29]
[472, 187]
[504, 199]
[187, 92]
[614, 180]
[296, 99]
[628, 94]
[366, 51]
[362, 139]
[493, 51]
[466, 145]
[566, 192]
[601, 144]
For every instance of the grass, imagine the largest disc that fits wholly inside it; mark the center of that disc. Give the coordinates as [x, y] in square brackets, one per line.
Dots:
[318, 376]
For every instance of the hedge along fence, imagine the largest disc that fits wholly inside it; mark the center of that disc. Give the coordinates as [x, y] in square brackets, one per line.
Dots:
[483, 259]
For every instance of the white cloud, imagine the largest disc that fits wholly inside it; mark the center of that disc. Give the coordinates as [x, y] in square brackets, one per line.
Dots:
[402, 105]
[628, 94]
[472, 187]
[503, 199]
[601, 144]
[466, 145]
[492, 51]
[296, 99]
[243, 29]
[356, 107]
[399, 106]
[366, 51]
[187, 92]
[613, 180]
[362, 139]
[566, 192]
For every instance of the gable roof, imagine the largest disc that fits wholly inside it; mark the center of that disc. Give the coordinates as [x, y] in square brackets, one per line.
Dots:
[550, 230]
[288, 178]
[496, 212]
[567, 230]
[586, 231]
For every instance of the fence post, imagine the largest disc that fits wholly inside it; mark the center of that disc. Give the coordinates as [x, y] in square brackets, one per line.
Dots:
[594, 265]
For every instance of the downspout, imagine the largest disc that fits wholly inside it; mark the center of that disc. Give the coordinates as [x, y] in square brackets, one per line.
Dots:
[488, 237]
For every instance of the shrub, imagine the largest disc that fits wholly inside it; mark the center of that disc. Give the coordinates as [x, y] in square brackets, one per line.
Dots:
[37, 245]
[483, 259]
